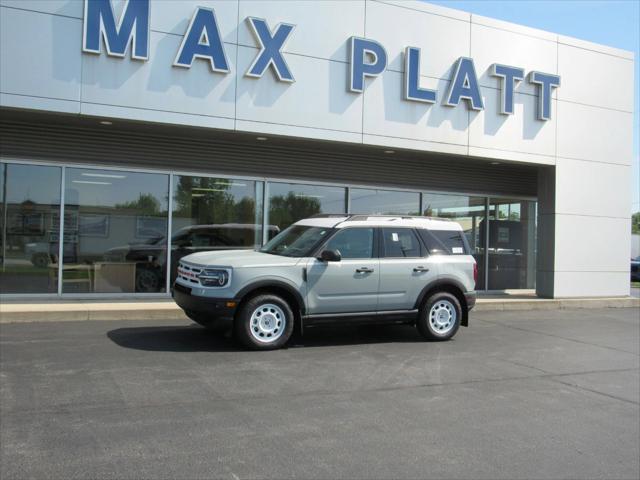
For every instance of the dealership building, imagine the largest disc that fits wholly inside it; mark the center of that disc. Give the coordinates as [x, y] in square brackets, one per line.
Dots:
[135, 132]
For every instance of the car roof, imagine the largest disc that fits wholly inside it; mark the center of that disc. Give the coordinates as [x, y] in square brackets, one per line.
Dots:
[361, 220]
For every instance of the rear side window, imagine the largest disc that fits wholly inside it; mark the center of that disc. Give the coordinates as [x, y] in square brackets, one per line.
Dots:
[445, 242]
[400, 243]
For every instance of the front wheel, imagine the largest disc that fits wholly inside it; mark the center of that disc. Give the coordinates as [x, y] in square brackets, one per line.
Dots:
[440, 317]
[264, 322]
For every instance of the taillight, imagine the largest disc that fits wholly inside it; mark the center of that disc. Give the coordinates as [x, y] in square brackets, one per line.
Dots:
[475, 272]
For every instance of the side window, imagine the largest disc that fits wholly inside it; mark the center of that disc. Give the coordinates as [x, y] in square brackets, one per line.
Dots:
[352, 243]
[445, 242]
[400, 243]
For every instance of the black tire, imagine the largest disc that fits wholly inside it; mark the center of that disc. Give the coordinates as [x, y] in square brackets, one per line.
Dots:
[439, 328]
[148, 280]
[208, 322]
[278, 327]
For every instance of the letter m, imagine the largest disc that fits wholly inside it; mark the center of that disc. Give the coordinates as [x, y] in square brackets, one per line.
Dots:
[132, 27]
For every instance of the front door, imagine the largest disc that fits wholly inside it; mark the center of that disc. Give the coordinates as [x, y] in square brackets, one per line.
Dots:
[405, 269]
[350, 285]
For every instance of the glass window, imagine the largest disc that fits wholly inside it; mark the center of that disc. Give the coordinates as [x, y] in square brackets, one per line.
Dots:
[296, 241]
[352, 243]
[115, 238]
[470, 213]
[512, 244]
[29, 224]
[290, 202]
[215, 214]
[384, 202]
[445, 242]
[400, 243]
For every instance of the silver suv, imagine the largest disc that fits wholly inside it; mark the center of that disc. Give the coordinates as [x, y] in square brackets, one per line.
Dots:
[335, 268]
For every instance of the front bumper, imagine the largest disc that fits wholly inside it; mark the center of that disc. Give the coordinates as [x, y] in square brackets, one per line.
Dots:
[470, 298]
[215, 308]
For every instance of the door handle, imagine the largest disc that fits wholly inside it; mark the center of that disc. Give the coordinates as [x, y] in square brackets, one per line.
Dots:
[364, 270]
[420, 269]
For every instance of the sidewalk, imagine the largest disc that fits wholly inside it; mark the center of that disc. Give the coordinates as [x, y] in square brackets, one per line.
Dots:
[166, 309]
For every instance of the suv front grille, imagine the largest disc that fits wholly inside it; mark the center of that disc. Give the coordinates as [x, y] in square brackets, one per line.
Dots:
[189, 273]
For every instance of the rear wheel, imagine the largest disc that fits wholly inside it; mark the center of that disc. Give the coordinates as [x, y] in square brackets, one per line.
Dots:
[440, 317]
[264, 322]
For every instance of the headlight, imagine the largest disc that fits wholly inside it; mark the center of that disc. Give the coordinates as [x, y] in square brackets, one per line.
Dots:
[214, 277]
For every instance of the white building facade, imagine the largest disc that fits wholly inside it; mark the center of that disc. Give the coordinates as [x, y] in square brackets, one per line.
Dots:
[136, 132]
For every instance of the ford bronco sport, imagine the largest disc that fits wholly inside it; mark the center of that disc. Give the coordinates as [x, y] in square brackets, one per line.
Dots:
[335, 268]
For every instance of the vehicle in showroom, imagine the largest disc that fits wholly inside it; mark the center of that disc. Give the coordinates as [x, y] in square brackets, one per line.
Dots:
[335, 269]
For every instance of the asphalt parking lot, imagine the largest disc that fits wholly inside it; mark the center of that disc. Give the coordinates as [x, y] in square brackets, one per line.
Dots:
[546, 394]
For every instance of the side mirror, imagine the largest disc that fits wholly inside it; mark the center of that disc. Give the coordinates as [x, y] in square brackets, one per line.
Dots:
[330, 256]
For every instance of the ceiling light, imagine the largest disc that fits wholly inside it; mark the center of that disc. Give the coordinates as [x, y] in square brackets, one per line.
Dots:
[105, 122]
[91, 183]
[261, 139]
[103, 175]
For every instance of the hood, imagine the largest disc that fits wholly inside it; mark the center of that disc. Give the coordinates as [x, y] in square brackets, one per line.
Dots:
[239, 259]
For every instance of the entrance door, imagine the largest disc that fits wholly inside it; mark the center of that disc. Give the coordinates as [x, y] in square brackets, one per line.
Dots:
[350, 285]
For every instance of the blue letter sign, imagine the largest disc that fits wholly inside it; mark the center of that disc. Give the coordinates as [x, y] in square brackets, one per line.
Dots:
[412, 90]
[545, 82]
[271, 46]
[202, 40]
[360, 47]
[509, 78]
[132, 27]
[464, 85]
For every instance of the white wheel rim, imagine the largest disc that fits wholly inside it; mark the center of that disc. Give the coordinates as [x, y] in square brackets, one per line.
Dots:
[267, 323]
[442, 317]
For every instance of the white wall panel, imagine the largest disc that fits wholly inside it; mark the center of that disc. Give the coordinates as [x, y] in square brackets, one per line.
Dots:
[68, 8]
[318, 99]
[584, 243]
[40, 54]
[157, 85]
[595, 78]
[397, 28]
[595, 284]
[385, 113]
[173, 16]
[322, 27]
[492, 45]
[592, 133]
[520, 132]
[591, 188]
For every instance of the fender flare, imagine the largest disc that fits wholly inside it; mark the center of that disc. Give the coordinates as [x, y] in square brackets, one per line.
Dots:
[447, 281]
[266, 283]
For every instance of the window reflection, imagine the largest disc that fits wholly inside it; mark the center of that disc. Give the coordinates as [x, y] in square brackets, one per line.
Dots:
[470, 213]
[384, 202]
[215, 214]
[115, 237]
[29, 224]
[290, 202]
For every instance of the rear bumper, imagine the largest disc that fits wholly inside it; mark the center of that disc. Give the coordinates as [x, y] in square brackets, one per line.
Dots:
[215, 308]
[470, 298]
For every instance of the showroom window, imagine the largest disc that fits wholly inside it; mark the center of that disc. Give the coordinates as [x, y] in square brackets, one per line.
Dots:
[290, 202]
[215, 214]
[30, 228]
[512, 244]
[470, 213]
[384, 202]
[115, 238]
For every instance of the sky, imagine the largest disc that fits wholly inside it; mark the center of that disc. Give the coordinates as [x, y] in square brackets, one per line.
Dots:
[610, 22]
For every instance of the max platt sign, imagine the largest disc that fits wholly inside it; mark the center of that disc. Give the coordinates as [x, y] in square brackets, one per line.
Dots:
[367, 57]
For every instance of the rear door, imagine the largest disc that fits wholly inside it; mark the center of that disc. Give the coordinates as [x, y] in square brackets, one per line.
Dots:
[350, 285]
[405, 269]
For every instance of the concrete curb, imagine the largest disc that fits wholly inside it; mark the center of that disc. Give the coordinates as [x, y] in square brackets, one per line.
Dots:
[167, 310]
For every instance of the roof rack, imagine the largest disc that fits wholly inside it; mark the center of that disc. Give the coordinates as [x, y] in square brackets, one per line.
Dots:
[330, 215]
[364, 217]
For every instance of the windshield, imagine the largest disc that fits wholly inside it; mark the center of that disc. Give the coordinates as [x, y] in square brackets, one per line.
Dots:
[296, 241]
